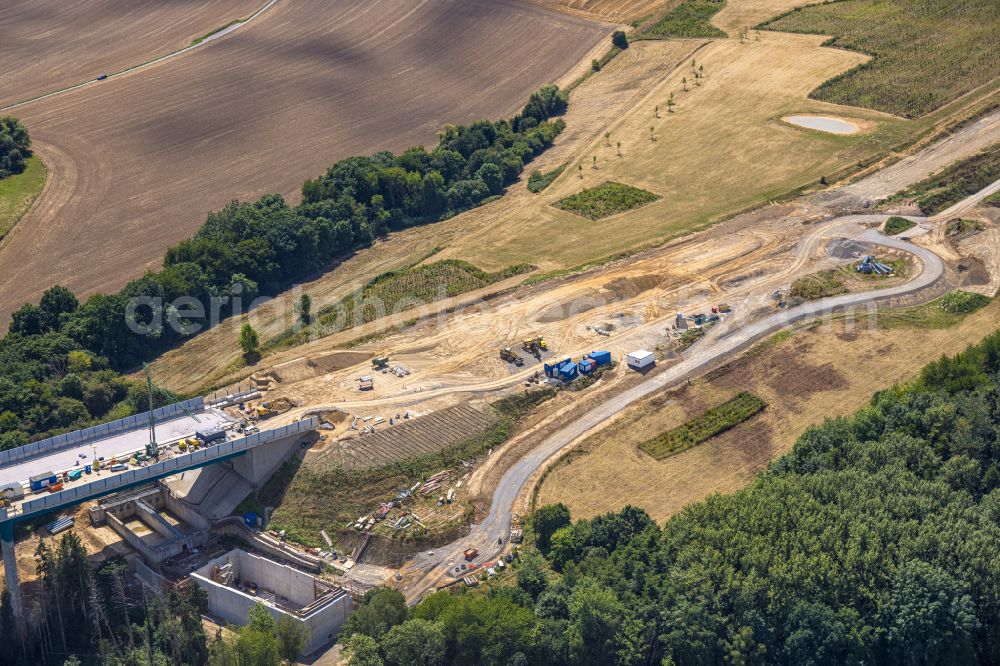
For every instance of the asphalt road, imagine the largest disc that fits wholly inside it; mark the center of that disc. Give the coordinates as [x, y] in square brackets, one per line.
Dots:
[724, 340]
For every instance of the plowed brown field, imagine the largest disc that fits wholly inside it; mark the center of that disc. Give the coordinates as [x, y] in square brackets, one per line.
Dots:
[138, 162]
[51, 44]
[610, 10]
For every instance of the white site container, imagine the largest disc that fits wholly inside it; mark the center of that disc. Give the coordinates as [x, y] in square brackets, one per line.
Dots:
[640, 360]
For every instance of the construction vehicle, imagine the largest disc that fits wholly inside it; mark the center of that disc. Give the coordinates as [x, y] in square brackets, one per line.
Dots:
[380, 362]
[270, 408]
[507, 354]
[535, 345]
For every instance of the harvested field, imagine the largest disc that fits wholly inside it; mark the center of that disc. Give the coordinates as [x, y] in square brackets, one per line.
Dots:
[48, 45]
[609, 10]
[822, 372]
[423, 435]
[137, 163]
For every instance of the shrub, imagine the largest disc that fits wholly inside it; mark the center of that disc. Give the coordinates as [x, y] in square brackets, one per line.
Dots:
[714, 421]
[609, 198]
[897, 225]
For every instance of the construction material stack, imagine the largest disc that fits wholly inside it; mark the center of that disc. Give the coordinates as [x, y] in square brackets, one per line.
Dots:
[871, 265]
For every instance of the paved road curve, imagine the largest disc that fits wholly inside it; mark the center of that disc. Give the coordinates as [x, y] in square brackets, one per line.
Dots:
[725, 340]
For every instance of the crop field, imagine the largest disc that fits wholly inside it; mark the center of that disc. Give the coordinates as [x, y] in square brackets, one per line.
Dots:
[956, 182]
[137, 163]
[692, 18]
[705, 426]
[927, 52]
[806, 377]
[605, 200]
[18, 192]
[48, 45]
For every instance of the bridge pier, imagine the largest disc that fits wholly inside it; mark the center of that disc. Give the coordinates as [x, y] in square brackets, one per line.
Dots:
[10, 569]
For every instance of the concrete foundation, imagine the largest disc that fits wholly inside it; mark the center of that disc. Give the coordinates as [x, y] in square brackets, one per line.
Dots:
[238, 580]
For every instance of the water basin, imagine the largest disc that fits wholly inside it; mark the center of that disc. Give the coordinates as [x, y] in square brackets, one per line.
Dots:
[823, 124]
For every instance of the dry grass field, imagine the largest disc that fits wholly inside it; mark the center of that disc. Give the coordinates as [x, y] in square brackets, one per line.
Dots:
[137, 163]
[822, 372]
[722, 148]
[48, 45]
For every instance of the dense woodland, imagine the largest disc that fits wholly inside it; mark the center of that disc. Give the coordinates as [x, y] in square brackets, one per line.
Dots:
[59, 362]
[15, 146]
[873, 542]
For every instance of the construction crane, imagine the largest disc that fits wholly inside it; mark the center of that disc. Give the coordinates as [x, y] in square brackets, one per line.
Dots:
[151, 449]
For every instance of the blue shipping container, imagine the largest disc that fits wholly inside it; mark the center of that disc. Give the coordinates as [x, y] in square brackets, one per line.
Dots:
[586, 366]
[567, 371]
[601, 357]
[40, 481]
[250, 518]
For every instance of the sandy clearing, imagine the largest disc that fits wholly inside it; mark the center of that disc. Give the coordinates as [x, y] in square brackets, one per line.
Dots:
[141, 160]
[50, 44]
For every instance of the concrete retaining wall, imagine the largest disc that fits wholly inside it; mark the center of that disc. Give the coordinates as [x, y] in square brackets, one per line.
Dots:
[232, 605]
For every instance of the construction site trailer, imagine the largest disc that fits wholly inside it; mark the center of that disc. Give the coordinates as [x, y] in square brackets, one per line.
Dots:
[586, 366]
[640, 359]
[12, 491]
[39, 481]
[567, 371]
[600, 357]
[209, 435]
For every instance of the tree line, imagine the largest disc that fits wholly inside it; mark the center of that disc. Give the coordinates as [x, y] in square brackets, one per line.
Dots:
[91, 615]
[15, 146]
[60, 358]
[873, 542]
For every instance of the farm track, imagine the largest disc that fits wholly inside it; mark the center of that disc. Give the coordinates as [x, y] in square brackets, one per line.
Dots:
[305, 84]
[91, 37]
[423, 435]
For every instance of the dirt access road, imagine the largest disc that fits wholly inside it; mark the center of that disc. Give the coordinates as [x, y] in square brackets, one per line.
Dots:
[138, 161]
[48, 45]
